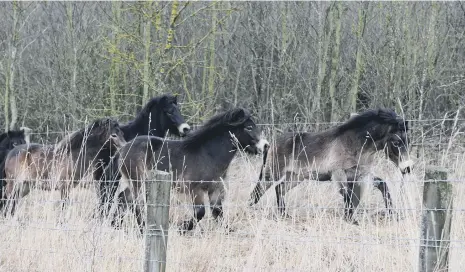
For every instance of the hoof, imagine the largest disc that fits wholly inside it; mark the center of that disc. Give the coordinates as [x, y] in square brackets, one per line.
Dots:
[351, 220]
[186, 226]
[251, 202]
[390, 215]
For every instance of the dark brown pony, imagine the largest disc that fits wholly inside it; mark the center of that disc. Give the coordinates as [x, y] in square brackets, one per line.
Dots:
[331, 153]
[8, 141]
[204, 155]
[62, 165]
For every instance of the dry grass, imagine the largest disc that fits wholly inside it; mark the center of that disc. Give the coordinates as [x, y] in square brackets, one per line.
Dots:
[316, 238]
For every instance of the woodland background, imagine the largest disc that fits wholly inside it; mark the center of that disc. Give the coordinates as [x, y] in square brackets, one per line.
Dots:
[288, 62]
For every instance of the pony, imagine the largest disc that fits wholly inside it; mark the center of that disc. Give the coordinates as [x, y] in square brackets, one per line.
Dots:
[158, 117]
[202, 158]
[8, 141]
[331, 153]
[62, 165]
[12, 138]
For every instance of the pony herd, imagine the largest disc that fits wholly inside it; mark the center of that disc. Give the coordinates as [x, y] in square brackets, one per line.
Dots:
[120, 158]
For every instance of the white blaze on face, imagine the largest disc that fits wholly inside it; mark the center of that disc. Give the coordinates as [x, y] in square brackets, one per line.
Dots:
[183, 128]
[403, 165]
[262, 144]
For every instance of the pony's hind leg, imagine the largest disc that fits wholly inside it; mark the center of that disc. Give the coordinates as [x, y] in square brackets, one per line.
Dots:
[216, 197]
[199, 210]
[286, 183]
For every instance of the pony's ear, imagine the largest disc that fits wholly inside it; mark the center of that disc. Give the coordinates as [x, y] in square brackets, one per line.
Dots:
[237, 117]
[101, 123]
[175, 99]
[163, 100]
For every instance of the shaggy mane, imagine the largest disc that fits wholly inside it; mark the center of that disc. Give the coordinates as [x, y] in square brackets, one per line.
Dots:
[215, 126]
[12, 134]
[76, 139]
[380, 116]
[147, 109]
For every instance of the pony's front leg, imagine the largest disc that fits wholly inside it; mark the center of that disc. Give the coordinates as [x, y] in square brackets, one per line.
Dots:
[351, 199]
[15, 191]
[65, 187]
[123, 194]
[199, 210]
[106, 195]
[346, 189]
[138, 203]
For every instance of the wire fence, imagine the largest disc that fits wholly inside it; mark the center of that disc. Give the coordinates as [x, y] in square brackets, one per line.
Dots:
[249, 238]
[43, 236]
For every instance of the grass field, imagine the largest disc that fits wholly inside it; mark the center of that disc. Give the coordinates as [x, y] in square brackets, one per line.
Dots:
[315, 238]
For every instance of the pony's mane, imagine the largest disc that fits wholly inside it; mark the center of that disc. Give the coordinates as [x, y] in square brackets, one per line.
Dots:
[380, 116]
[147, 109]
[216, 125]
[76, 139]
[11, 133]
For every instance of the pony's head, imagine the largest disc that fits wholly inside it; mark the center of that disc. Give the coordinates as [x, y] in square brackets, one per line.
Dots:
[12, 138]
[246, 133]
[168, 116]
[383, 129]
[107, 130]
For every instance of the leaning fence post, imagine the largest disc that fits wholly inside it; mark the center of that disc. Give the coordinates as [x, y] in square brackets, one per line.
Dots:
[158, 187]
[436, 221]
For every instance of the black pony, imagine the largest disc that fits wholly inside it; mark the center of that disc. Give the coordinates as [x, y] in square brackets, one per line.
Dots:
[204, 155]
[306, 155]
[159, 116]
[8, 141]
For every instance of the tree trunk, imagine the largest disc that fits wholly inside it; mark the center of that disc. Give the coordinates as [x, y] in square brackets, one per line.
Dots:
[147, 45]
[362, 12]
[211, 68]
[10, 95]
[323, 48]
[430, 50]
[337, 12]
[115, 63]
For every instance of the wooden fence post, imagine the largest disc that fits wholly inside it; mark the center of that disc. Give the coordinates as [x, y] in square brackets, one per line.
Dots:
[436, 221]
[158, 187]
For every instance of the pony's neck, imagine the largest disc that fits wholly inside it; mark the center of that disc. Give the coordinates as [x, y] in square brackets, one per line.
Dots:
[222, 147]
[141, 125]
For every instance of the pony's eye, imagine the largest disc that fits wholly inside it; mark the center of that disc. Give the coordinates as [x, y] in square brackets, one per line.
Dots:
[249, 128]
[114, 135]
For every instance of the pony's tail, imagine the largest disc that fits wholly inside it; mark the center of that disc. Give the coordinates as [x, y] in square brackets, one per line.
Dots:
[258, 190]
